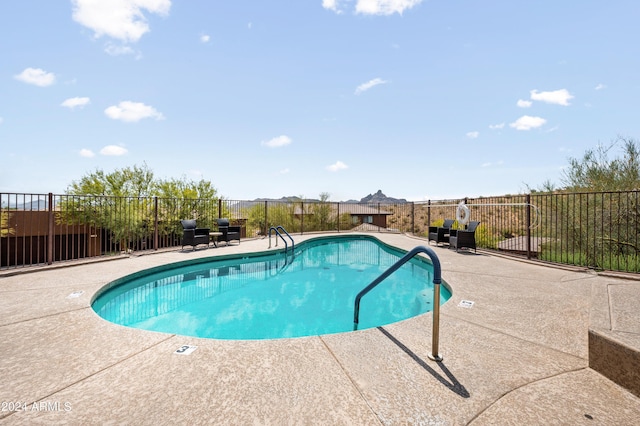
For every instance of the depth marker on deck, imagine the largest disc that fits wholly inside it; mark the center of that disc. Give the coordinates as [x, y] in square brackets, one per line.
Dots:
[185, 350]
[75, 294]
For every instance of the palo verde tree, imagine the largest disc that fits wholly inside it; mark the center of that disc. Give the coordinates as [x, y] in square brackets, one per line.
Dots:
[187, 199]
[122, 203]
[598, 207]
[117, 202]
[595, 171]
[320, 214]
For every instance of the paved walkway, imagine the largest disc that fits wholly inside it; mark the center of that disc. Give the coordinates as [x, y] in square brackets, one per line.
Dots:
[518, 355]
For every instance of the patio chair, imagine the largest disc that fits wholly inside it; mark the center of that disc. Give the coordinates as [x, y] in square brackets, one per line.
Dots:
[192, 236]
[229, 233]
[466, 238]
[440, 234]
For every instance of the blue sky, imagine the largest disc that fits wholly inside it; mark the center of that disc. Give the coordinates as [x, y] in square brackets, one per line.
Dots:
[421, 99]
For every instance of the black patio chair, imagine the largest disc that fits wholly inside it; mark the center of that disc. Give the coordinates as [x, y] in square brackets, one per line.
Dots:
[229, 233]
[440, 234]
[466, 238]
[192, 236]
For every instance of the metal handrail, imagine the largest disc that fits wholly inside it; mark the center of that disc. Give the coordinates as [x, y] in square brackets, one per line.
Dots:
[275, 228]
[437, 279]
[293, 244]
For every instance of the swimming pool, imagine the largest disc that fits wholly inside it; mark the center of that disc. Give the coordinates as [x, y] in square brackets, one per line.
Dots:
[273, 295]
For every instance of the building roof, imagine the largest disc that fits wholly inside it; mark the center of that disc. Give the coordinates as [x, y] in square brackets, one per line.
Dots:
[353, 209]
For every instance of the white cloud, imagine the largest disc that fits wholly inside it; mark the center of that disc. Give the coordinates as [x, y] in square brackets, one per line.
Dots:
[601, 86]
[490, 164]
[558, 97]
[496, 126]
[524, 104]
[277, 142]
[113, 150]
[527, 122]
[473, 135]
[205, 38]
[284, 171]
[195, 173]
[36, 76]
[75, 102]
[368, 85]
[1, 120]
[332, 5]
[120, 19]
[337, 166]
[132, 111]
[384, 7]
[87, 153]
[371, 7]
[118, 50]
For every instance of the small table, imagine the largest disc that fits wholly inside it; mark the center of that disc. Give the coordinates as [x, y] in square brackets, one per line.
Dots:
[213, 236]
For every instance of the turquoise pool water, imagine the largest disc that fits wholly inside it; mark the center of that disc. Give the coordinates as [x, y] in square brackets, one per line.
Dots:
[272, 296]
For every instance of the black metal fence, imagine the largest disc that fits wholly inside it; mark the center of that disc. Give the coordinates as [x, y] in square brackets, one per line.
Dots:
[597, 230]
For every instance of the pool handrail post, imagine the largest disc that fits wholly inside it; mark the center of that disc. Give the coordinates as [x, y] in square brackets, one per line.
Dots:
[273, 228]
[437, 280]
[286, 246]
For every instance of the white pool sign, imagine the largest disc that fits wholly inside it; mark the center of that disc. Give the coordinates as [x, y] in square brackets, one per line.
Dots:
[75, 294]
[466, 304]
[185, 350]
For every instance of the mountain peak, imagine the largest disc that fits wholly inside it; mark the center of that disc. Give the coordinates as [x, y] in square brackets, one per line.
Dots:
[379, 197]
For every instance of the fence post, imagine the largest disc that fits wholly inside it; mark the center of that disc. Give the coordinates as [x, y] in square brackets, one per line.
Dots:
[428, 215]
[155, 223]
[266, 218]
[301, 217]
[50, 231]
[219, 208]
[413, 218]
[528, 214]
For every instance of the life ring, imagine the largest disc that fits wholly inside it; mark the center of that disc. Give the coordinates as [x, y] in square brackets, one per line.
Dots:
[463, 214]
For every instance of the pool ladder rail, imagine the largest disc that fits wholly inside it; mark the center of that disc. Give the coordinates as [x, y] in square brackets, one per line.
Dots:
[277, 230]
[437, 280]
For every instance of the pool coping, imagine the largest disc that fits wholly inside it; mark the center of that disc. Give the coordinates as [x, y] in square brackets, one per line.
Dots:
[520, 356]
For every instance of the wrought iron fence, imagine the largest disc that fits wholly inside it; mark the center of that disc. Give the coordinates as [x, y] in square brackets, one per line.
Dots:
[596, 230]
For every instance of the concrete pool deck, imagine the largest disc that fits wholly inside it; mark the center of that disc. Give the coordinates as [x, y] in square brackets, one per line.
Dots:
[518, 355]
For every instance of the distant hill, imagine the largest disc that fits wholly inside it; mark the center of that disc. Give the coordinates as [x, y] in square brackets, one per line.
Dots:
[378, 197]
[37, 204]
[289, 199]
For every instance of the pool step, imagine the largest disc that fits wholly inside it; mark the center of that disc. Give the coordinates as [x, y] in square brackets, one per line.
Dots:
[614, 331]
[616, 359]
